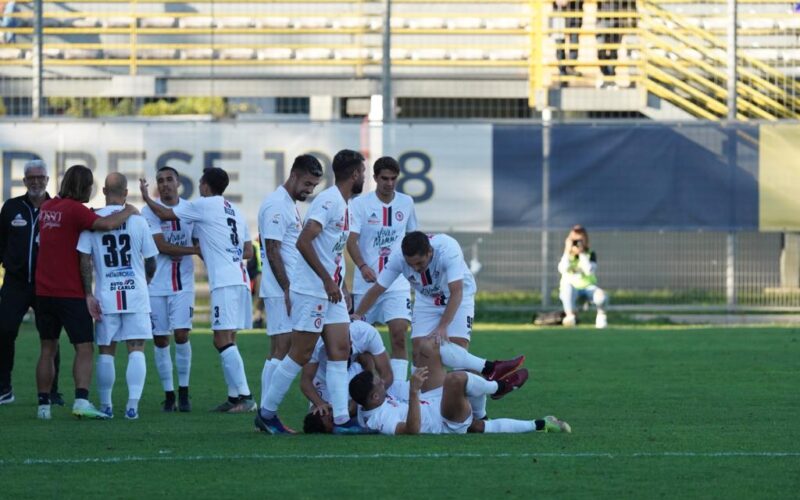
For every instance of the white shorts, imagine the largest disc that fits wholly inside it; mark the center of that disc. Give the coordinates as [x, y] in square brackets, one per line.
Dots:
[389, 306]
[424, 320]
[231, 308]
[450, 427]
[310, 314]
[278, 320]
[172, 312]
[122, 327]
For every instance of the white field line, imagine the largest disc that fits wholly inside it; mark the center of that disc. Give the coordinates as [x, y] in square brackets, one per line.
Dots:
[374, 456]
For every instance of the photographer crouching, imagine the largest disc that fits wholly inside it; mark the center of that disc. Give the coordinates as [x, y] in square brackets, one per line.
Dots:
[578, 280]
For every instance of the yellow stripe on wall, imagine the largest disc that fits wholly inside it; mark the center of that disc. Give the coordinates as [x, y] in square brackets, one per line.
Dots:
[779, 178]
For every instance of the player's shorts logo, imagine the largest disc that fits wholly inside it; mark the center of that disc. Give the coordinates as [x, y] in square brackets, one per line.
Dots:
[318, 323]
[399, 216]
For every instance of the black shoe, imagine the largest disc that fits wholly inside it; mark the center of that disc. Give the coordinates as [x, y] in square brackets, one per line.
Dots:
[168, 406]
[56, 398]
[6, 396]
[258, 323]
[184, 405]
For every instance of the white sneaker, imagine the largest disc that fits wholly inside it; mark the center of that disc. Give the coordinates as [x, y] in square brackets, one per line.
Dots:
[43, 413]
[569, 320]
[601, 321]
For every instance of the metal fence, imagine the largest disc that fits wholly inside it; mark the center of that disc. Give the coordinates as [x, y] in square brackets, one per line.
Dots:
[644, 269]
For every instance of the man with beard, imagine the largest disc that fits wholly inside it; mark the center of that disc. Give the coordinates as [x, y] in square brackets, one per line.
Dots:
[279, 225]
[319, 298]
[19, 245]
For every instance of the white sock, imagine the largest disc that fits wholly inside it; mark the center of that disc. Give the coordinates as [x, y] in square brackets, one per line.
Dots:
[233, 391]
[105, 378]
[266, 375]
[479, 386]
[183, 361]
[135, 375]
[508, 425]
[336, 378]
[455, 356]
[233, 365]
[399, 368]
[478, 404]
[282, 378]
[164, 367]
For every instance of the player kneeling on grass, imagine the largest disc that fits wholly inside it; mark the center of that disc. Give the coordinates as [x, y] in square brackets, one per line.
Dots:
[439, 402]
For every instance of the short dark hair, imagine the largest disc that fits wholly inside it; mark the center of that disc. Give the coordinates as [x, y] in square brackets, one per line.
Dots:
[386, 163]
[361, 386]
[415, 243]
[345, 163]
[307, 164]
[216, 178]
[167, 167]
[77, 183]
[313, 424]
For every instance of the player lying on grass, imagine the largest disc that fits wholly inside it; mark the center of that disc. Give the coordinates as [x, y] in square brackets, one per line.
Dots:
[447, 354]
[444, 405]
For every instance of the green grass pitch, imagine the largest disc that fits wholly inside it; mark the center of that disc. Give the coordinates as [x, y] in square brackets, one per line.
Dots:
[656, 412]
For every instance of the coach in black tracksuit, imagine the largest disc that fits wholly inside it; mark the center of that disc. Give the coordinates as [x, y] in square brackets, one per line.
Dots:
[19, 245]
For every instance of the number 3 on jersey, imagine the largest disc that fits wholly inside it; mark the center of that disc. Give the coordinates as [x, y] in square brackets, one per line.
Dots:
[234, 232]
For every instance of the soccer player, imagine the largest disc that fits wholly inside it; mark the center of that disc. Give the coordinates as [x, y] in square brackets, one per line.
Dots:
[124, 261]
[225, 246]
[279, 226]
[379, 219]
[19, 245]
[318, 297]
[62, 299]
[446, 353]
[444, 405]
[172, 291]
[366, 352]
[445, 289]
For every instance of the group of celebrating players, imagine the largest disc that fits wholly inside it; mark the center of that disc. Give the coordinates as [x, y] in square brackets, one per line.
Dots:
[144, 288]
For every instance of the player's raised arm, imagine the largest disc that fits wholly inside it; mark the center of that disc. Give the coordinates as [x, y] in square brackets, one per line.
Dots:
[310, 231]
[413, 421]
[161, 211]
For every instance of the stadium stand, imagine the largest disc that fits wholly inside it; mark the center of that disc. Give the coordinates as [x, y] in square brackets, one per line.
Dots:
[673, 50]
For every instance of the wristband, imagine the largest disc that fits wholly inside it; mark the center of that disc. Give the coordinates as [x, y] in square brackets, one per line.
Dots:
[362, 265]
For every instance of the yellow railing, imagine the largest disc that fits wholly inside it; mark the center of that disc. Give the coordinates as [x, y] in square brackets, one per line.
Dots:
[651, 48]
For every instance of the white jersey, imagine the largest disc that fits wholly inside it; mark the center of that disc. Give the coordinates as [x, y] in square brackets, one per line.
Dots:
[118, 258]
[279, 220]
[364, 338]
[330, 210]
[385, 418]
[379, 226]
[222, 232]
[446, 266]
[172, 276]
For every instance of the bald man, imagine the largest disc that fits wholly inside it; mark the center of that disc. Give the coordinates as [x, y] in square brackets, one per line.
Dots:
[124, 260]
